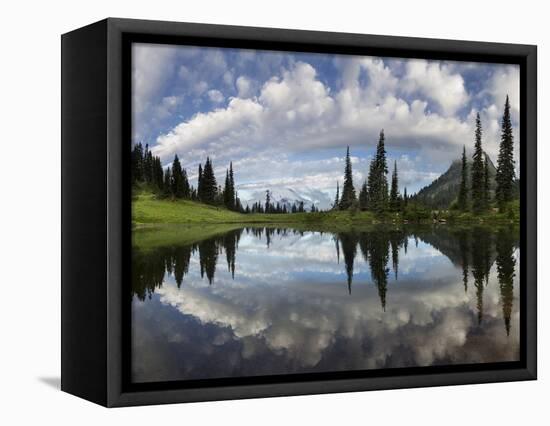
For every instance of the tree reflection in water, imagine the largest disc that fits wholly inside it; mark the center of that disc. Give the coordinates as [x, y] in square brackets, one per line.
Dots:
[474, 250]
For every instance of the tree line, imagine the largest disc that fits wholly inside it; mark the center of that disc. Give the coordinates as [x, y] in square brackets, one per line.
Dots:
[278, 207]
[476, 195]
[173, 183]
[375, 194]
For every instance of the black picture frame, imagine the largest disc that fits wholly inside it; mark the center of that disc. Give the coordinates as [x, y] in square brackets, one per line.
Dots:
[96, 216]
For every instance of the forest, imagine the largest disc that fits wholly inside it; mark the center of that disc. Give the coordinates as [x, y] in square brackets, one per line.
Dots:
[477, 190]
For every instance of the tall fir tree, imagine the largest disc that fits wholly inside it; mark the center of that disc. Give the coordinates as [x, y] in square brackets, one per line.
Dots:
[158, 174]
[478, 171]
[348, 190]
[394, 192]
[180, 186]
[199, 183]
[364, 196]
[231, 188]
[505, 165]
[137, 163]
[226, 191]
[405, 197]
[167, 185]
[486, 185]
[209, 184]
[378, 182]
[462, 202]
[268, 206]
[148, 165]
[147, 169]
[371, 186]
[336, 204]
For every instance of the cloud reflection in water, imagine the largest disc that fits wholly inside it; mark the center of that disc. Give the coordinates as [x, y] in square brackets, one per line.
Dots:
[286, 307]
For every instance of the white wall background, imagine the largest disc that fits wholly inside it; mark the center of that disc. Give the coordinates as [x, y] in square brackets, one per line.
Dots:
[30, 211]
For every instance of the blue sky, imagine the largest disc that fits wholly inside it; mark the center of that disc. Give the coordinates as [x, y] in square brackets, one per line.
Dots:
[285, 119]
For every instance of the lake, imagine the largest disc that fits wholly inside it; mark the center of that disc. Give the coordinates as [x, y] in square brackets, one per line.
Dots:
[222, 301]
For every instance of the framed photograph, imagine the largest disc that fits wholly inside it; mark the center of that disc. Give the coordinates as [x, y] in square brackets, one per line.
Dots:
[253, 212]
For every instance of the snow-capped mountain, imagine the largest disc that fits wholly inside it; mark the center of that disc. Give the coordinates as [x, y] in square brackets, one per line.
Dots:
[287, 196]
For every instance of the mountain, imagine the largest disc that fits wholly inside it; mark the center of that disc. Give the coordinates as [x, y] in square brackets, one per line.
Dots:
[288, 196]
[444, 190]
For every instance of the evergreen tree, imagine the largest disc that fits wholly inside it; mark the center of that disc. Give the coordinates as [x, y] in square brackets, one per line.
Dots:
[167, 186]
[229, 196]
[232, 192]
[405, 197]
[267, 202]
[394, 192]
[186, 186]
[463, 191]
[505, 166]
[301, 207]
[378, 182]
[137, 163]
[158, 174]
[337, 199]
[199, 183]
[178, 185]
[486, 189]
[208, 183]
[478, 171]
[363, 196]
[348, 191]
[371, 186]
[146, 164]
[226, 191]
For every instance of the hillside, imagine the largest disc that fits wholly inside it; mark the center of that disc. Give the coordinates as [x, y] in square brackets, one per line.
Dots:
[147, 209]
[444, 190]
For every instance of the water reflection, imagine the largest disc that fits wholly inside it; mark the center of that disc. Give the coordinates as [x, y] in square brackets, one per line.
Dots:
[268, 300]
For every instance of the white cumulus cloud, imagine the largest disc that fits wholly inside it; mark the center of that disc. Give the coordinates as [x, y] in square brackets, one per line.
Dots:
[436, 81]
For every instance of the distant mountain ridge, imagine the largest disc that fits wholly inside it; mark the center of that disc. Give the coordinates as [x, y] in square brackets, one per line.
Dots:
[444, 190]
[287, 196]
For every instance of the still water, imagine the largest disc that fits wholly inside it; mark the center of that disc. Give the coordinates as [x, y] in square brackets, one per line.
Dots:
[263, 301]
